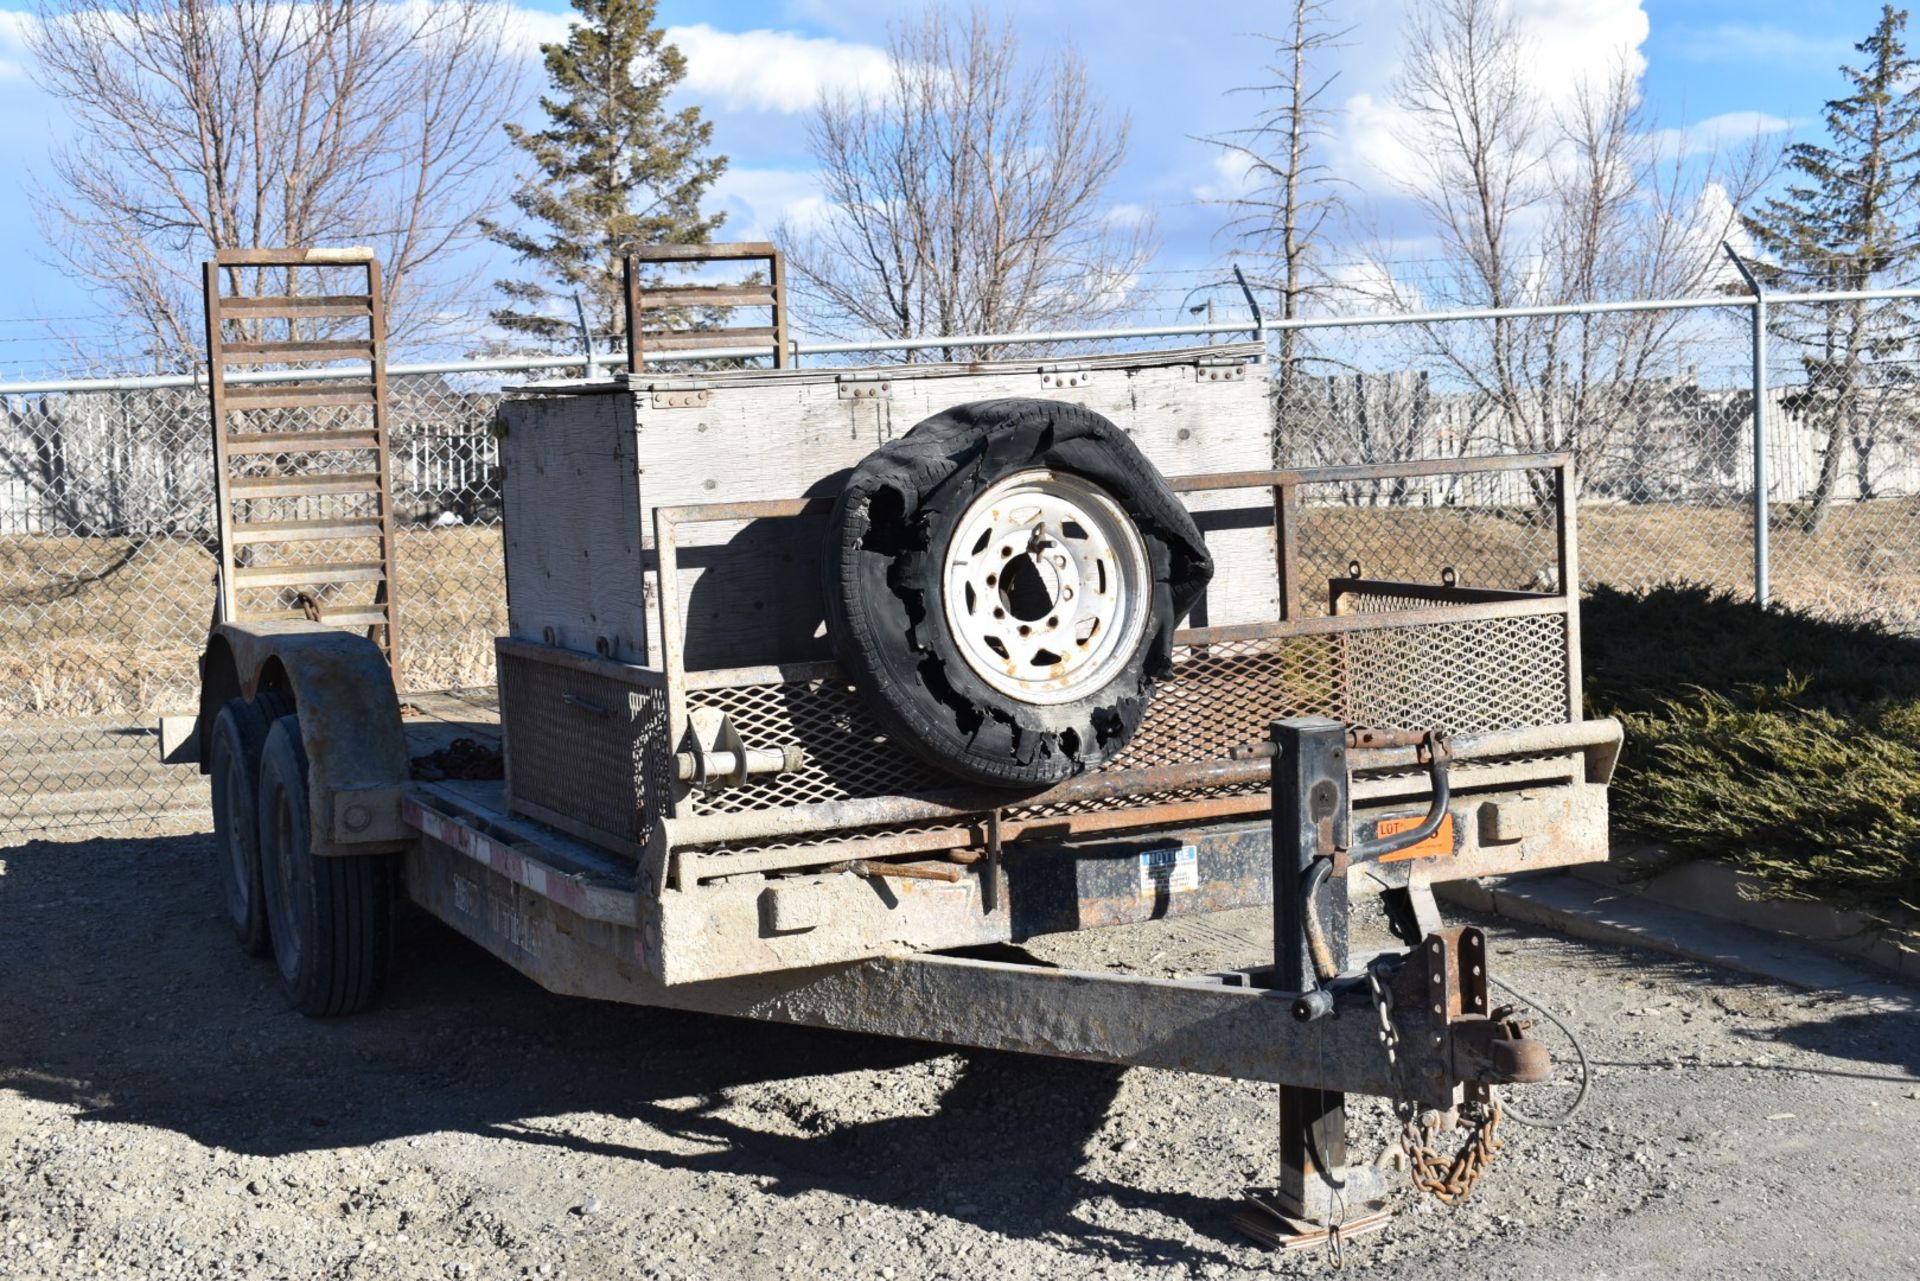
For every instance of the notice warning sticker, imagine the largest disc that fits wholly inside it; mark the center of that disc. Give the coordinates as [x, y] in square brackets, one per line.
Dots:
[1440, 844]
[1169, 871]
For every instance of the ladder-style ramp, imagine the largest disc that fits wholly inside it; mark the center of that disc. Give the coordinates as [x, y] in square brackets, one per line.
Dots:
[296, 357]
[666, 317]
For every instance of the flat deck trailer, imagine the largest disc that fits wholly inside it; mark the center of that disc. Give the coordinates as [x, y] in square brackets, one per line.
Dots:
[818, 682]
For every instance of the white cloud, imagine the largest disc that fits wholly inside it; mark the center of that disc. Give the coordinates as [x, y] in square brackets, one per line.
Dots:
[1712, 220]
[762, 70]
[774, 70]
[1370, 288]
[1570, 43]
[1732, 129]
[1232, 178]
[535, 27]
[757, 200]
[15, 29]
[1375, 146]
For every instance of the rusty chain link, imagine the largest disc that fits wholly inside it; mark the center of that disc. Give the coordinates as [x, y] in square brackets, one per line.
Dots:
[1449, 1181]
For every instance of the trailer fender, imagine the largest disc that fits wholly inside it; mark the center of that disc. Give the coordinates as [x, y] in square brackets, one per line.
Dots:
[342, 690]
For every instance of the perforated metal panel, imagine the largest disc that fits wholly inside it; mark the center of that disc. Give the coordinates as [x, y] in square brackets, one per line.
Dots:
[587, 747]
[1221, 696]
[1465, 678]
[1225, 695]
[847, 754]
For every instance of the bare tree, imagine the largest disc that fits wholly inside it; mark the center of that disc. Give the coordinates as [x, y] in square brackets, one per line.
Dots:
[207, 123]
[967, 195]
[1464, 83]
[1290, 193]
[1534, 205]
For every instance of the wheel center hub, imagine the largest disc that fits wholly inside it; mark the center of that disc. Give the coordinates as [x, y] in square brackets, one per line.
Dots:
[1045, 586]
[1030, 584]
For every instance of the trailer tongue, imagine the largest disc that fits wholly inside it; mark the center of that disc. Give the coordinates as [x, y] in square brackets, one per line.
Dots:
[785, 745]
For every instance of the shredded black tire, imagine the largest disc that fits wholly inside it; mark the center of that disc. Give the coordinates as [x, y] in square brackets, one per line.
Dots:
[331, 918]
[884, 579]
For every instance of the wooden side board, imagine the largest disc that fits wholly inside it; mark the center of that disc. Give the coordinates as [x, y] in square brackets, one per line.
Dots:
[750, 591]
[572, 496]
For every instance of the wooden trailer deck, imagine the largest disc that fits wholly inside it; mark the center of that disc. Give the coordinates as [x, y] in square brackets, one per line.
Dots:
[433, 720]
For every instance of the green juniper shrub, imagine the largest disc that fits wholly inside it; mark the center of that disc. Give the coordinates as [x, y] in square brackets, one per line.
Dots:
[1785, 745]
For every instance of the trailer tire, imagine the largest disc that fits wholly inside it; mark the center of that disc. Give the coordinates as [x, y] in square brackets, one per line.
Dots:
[330, 919]
[1028, 654]
[233, 765]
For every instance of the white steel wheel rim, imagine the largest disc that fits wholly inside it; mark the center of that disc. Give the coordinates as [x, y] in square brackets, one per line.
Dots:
[1046, 587]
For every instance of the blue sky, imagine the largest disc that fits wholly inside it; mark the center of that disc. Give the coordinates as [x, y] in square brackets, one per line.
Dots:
[1766, 64]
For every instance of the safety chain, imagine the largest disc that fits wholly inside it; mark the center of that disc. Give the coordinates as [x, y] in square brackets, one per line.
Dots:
[1449, 1181]
[1389, 1034]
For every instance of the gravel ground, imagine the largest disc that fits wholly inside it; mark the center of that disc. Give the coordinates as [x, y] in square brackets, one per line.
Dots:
[162, 1114]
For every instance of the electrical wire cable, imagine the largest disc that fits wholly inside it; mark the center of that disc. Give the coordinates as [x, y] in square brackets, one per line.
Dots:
[1579, 1050]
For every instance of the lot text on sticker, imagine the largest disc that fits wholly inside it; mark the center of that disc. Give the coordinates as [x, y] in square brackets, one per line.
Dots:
[1169, 871]
[1439, 845]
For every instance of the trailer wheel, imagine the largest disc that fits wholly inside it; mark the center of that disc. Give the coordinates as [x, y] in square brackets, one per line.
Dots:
[233, 765]
[330, 919]
[1002, 584]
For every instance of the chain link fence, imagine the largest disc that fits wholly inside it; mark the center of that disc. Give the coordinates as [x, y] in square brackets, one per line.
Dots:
[1658, 406]
[106, 503]
[107, 563]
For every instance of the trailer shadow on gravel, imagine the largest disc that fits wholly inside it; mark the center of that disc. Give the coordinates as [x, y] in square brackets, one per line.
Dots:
[122, 995]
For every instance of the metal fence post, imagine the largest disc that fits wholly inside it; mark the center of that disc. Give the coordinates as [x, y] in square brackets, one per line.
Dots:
[1762, 571]
[586, 338]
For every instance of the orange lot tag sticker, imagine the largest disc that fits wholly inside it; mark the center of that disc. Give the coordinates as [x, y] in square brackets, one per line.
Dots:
[1439, 845]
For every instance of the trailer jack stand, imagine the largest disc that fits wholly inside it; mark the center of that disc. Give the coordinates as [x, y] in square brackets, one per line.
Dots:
[1321, 1197]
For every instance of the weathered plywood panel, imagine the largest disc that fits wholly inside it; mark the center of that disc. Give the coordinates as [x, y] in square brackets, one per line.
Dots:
[574, 556]
[750, 593]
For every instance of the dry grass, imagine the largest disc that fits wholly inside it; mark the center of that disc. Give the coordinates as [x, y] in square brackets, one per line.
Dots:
[110, 627]
[1865, 564]
[92, 627]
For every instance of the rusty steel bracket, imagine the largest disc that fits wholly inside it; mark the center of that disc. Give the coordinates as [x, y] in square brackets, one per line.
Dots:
[1469, 1050]
[1436, 754]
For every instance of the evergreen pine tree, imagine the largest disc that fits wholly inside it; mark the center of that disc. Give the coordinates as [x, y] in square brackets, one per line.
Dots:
[1848, 221]
[613, 169]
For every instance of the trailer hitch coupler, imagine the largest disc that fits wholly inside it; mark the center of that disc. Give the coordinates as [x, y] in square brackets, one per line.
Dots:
[1497, 1052]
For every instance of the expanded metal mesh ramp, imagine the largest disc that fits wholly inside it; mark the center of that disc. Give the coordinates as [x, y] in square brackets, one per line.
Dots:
[302, 477]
